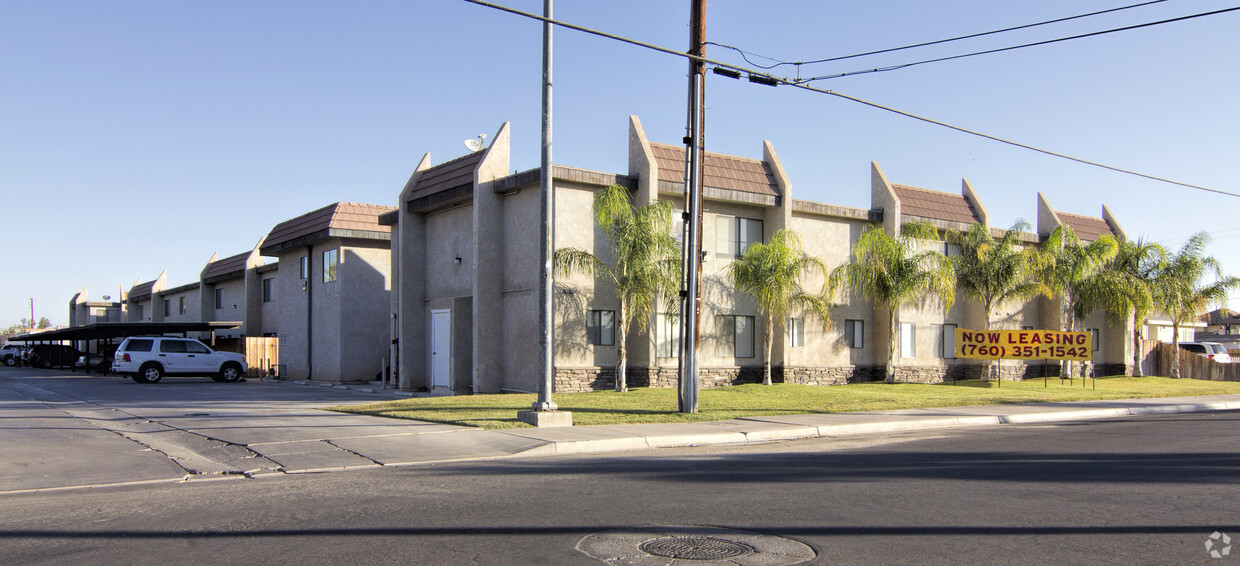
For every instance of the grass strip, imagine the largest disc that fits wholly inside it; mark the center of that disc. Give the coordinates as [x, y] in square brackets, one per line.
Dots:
[651, 405]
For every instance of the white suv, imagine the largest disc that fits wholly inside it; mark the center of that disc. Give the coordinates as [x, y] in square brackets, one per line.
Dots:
[148, 359]
[11, 354]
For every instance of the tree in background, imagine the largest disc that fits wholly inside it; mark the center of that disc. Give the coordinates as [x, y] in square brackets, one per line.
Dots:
[771, 273]
[892, 271]
[1180, 292]
[1067, 266]
[994, 272]
[645, 262]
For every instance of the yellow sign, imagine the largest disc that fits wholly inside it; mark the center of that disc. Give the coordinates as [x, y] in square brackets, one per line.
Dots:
[1024, 345]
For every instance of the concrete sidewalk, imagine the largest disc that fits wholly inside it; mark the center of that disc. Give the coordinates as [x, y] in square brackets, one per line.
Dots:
[319, 442]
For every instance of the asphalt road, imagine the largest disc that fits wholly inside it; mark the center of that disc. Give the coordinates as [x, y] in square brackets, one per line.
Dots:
[1142, 490]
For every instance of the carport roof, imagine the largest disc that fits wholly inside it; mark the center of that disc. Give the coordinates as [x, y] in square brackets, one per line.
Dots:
[102, 330]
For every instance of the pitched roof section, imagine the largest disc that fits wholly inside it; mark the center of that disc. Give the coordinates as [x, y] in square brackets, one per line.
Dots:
[1086, 228]
[718, 171]
[140, 291]
[229, 266]
[447, 175]
[345, 219]
[1221, 316]
[937, 205]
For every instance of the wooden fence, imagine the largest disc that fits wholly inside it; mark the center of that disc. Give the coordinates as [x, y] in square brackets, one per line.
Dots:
[261, 353]
[1191, 365]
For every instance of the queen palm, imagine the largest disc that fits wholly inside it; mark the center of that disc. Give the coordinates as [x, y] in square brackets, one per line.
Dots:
[1179, 291]
[891, 271]
[994, 272]
[1124, 288]
[1068, 267]
[771, 273]
[645, 262]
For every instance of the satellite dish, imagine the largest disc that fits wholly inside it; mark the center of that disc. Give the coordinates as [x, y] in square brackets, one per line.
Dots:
[106, 297]
[476, 144]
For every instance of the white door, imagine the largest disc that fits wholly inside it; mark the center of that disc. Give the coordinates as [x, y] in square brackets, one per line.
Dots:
[441, 347]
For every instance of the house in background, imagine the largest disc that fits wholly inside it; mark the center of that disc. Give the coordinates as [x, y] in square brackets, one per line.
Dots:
[332, 296]
[83, 311]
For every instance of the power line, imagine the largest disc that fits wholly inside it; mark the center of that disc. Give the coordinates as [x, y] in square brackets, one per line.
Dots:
[1015, 47]
[925, 44]
[767, 78]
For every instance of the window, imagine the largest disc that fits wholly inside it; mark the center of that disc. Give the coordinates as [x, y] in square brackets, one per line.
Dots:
[1026, 328]
[304, 267]
[219, 298]
[668, 334]
[734, 235]
[951, 250]
[908, 340]
[167, 307]
[330, 259]
[141, 312]
[796, 332]
[181, 305]
[269, 290]
[737, 333]
[1094, 336]
[601, 328]
[948, 351]
[172, 346]
[854, 333]
[138, 345]
[195, 347]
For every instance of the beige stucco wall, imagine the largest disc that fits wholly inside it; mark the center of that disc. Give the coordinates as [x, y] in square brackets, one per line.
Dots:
[577, 294]
[361, 312]
[231, 309]
[830, 239]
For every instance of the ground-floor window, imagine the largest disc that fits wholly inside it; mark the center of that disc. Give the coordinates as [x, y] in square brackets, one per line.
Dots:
[947, 349]
[601, 328]
[854, 333]
[908, 340]
[736, 336]
[796, 332]
[667, 333]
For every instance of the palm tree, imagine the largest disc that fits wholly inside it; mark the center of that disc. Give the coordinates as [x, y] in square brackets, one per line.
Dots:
[645, 262]
[994, 272]
[1178, 289]
[771, 274]
[1124, 288]
[890, 271]
[1067, 266]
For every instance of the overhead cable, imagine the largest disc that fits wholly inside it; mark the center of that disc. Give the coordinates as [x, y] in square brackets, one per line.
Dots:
[925, 44]
[793, 83]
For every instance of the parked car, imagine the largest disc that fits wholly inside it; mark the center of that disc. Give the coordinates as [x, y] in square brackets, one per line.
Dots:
[47, 356]
[101, 363]
[148, 359]
[11, 354]
[1212, 350]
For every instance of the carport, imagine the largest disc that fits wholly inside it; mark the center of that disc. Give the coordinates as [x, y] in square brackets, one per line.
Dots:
[106, 334]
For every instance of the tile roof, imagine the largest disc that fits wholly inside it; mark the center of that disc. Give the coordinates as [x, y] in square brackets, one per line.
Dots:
[1086, 227]
[227, 266]
[140, 291]
[926, 203]
[348, 216]
[718, 171]
[447, 175]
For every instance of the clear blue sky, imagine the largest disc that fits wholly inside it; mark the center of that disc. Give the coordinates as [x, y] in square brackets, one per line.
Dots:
[142, 136]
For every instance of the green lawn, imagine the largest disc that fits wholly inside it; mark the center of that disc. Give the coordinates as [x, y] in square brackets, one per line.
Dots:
[647, 405]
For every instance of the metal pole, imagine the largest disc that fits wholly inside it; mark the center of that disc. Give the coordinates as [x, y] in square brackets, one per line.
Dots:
[546, 199]
[690, 291]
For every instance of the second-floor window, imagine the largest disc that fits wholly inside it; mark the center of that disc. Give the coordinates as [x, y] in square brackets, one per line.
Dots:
[734, 235]
[269, 290]
[331, 258]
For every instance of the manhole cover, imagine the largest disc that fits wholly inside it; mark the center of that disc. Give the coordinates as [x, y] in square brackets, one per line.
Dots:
[682, 544]
[695, 548]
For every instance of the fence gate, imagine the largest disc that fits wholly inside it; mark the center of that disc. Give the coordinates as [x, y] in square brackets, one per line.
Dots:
[263, 355]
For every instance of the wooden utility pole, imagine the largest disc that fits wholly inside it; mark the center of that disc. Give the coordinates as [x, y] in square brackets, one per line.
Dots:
[691, 266]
